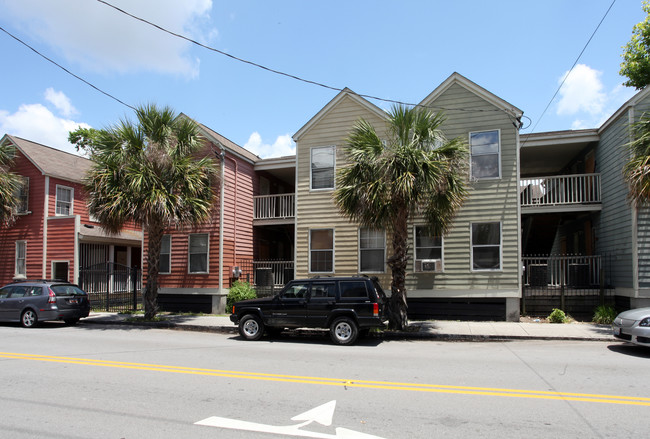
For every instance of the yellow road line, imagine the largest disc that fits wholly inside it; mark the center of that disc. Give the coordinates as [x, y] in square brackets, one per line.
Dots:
[386, 385]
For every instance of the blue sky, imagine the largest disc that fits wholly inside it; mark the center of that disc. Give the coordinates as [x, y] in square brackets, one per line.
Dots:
[518, 50]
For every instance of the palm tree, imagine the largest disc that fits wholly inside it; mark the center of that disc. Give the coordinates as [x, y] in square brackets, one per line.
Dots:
[152, 173]
[637, 168]
[9, 184]
[415, 172]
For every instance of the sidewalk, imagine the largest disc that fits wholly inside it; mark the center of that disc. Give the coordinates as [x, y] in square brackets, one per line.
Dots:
[430, 329]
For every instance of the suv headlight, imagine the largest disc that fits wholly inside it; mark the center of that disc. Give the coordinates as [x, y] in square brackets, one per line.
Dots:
[645, 322]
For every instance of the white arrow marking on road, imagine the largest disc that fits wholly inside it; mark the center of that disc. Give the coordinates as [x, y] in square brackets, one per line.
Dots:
[322, 414]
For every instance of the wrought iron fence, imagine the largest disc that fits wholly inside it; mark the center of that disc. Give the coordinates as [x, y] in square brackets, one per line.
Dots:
[112, 287]
[575, 271]
[264, 274]
[573, 283]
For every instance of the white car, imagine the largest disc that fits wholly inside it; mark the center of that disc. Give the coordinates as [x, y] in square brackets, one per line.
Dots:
[633, 326]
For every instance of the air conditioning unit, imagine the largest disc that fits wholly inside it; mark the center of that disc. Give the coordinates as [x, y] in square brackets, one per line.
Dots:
[431, 265]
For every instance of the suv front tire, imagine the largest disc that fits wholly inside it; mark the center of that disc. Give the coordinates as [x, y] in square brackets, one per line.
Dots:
[251, 327]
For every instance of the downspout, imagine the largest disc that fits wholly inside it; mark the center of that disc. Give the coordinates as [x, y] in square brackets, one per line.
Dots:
[520, 271]
[221, 207]
[45, 215]
[235, 211]
[635, 225]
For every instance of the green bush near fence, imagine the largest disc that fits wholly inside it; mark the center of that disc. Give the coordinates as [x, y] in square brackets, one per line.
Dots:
[557, 316]
[239, 291]
[604, 315]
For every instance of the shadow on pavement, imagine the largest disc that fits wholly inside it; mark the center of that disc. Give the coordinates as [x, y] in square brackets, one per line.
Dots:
[630, 349]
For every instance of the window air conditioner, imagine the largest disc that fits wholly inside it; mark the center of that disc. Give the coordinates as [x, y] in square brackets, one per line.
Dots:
[431, 265]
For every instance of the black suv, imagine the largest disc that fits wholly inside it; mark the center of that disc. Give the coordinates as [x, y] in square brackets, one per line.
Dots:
[31, 301]
[347, 306]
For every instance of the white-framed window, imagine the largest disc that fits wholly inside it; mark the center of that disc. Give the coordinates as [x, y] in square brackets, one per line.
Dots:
[486, 246]
[165, 262]
[428, 248]
[321, 250]
[322, 167]
[21, 259]
[64, 197]
[485, 149]
[22, 195]
[372, 250]
[198, 252]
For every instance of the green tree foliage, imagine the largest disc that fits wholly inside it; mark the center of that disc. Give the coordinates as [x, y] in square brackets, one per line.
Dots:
[152, 173]
[636, 54]
[416, 172]
[637, 169]
[9, 184]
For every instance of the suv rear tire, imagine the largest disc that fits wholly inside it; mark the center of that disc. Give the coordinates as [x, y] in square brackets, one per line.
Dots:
[251, 327]
[344, 331]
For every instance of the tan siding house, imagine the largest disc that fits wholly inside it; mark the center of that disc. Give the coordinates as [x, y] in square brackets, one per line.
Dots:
[328, 244]
[316, 211]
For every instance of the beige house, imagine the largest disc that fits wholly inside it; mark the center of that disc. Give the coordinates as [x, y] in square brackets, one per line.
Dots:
[474, 270]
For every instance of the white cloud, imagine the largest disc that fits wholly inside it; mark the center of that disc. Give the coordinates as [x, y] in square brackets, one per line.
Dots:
[283, 146]
[37, 123]
[582, 92]
[60, 101]
[99, 38]
[585, 97]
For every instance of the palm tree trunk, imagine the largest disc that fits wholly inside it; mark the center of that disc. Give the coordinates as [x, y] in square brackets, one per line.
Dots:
[155, 234]
[398, 317]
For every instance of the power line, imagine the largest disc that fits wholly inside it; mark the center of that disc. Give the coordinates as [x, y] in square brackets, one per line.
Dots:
[64, 69]
[573, 66]
[278, 72]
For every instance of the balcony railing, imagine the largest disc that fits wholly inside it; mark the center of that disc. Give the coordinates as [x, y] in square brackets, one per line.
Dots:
[560, 190]
[281, 206]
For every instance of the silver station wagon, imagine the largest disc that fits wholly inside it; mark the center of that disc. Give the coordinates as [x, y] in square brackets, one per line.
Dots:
[33, 301]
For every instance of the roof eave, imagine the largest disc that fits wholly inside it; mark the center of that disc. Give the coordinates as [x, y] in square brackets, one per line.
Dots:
[457, 78]
[332, 104]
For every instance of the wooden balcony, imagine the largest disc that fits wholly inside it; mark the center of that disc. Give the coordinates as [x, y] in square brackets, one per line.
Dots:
[561, 193]
[274, 209]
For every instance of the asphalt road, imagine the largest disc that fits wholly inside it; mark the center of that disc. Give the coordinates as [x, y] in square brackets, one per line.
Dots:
[121, 382]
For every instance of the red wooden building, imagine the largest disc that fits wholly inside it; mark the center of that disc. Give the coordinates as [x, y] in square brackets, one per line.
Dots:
[53, 236]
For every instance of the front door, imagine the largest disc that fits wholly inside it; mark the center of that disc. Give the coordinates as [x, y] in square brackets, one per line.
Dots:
[290, 307]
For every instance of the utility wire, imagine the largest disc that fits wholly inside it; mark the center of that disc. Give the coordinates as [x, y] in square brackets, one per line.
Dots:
[572, 67]
[65, 70]
[278, 72]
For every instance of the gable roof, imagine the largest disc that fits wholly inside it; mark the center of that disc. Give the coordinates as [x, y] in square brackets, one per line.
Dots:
[218, 139]
[458, 79]
[332, 104]
[632, 102]
[50, 161]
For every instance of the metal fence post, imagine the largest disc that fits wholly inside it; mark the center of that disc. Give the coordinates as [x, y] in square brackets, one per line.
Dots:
[133, 272]
[108, 286]
[602, 286]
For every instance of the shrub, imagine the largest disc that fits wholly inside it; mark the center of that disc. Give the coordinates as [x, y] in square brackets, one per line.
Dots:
[604, 314]
[557, 316]
[239, 291]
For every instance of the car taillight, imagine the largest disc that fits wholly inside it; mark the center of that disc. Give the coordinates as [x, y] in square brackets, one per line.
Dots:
[233, 309]
[52, 297]
[375, 309]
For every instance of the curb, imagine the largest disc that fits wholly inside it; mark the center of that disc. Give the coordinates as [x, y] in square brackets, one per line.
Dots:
[386, 335]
